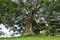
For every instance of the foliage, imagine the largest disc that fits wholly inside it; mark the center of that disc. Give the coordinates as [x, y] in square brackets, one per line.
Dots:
[12, 13]
[1, 33]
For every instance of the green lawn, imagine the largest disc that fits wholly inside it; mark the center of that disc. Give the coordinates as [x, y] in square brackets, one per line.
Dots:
[35, 37]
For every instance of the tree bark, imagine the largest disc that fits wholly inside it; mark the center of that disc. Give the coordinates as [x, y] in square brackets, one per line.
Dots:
[29, 25]
[28, 29]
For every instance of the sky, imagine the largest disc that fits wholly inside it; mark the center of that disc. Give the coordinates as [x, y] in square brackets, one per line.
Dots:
[4, 29]
[17, 1]
[7, 33]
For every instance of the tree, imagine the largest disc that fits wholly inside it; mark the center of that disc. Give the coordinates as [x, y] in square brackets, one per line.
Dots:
[28, 11]
[8, 10]
[34, 7]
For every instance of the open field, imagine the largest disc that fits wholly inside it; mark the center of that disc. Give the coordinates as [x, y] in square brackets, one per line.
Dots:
[35, 37]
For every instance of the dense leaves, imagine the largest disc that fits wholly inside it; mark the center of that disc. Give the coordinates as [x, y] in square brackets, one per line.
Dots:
[44, 11]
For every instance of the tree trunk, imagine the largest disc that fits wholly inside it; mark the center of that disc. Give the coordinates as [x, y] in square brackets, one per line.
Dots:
[28, 29]
[29, 25]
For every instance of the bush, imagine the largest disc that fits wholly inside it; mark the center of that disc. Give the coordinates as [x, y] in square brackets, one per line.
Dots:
[1, 33]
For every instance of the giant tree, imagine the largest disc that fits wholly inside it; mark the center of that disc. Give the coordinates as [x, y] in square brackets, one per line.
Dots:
[28, 12]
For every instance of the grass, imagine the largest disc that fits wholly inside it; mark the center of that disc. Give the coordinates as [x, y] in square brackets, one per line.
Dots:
[33, 37]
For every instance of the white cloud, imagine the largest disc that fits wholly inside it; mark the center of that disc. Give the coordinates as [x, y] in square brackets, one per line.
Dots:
[6, 32]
